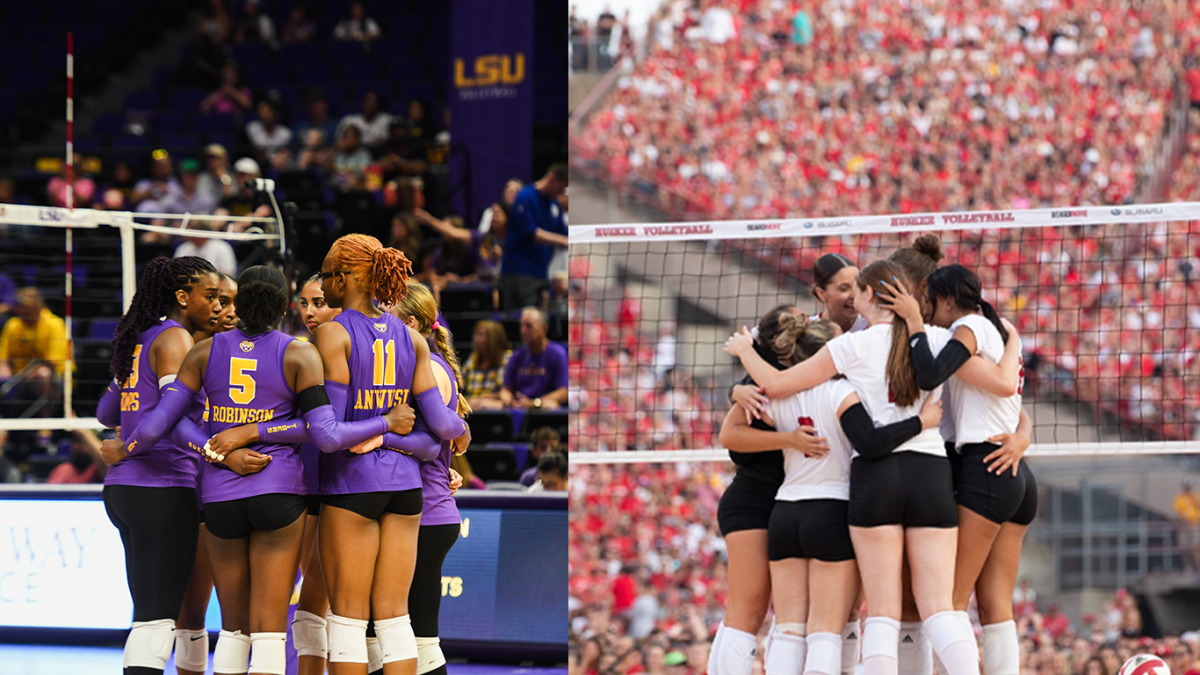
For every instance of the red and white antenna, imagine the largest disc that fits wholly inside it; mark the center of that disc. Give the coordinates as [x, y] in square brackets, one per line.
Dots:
[69, 371]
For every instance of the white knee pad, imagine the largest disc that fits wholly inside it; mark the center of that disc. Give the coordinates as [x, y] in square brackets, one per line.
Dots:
[1001, 651]
[149, 644]
[851, 643]
[397, 639]
[914, 656]
[232, 652]
[191, 649]
[712, 652]
[429, 655]
[880, 637]
[268, 653]
[738, 649]
[374, 655]
[787, 650]
[310, 633]
[347, 639]
[824, 655]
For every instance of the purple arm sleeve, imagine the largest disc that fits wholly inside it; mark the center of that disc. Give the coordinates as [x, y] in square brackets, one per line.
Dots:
[109, 409]
[187, 435]
[171, 406]
[285, 432]
[321, 425]
[441, 420]
[417, 443]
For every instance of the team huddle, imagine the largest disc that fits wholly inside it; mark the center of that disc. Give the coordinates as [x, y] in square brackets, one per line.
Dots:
[243, 453]
[900, 480]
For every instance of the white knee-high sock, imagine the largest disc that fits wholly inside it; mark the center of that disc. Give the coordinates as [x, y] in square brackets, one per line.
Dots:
[715, 650]
[851, 647]
[880, 645]
[953, 643]
[736, 656]
[788, 645]
[1001, 650]
[824, 656]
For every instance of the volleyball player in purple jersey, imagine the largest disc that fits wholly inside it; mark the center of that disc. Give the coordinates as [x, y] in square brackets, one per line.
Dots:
[191, 637]
[371, 513]
[440, 521]
[309, 629]
[150, 490]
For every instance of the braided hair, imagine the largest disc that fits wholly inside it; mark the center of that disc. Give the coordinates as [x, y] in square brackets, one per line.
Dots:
[155, 296]
[382, 272]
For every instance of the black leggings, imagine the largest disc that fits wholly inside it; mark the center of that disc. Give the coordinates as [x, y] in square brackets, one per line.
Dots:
[159, 528]
[425, 594]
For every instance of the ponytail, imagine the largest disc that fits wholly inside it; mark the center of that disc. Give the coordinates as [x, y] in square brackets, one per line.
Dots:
[417, 302]
[799, 338]
[901, 378]
[989, 313]
[966, 290]
[442, 343]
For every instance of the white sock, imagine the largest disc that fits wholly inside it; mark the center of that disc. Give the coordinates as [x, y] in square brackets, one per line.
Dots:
[788, 645]
[913, 652]
[851, 647]
[880, 645]
[1001, 651]
[737, 652]
[953, 643]
[716, 649]
[824, 655]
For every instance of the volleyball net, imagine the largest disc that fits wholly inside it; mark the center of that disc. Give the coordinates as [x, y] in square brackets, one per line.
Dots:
[82, 265]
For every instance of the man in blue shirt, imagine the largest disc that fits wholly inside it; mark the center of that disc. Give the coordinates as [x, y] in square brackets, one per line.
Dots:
[535, 229]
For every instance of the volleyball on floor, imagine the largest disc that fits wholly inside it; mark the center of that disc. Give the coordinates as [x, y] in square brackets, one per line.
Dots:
[1145, 664]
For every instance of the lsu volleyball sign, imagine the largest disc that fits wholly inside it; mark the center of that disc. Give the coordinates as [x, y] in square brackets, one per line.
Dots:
[491, 96]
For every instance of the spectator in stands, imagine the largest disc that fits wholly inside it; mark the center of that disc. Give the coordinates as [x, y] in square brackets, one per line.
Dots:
[219, 252]
[231, 98]
[149, 193]
[85, 465]
[511, 188]
[243, 202]
[213, 30]
[559, 296]
[216, 181]
[189, 198]
[406, 238]
[299, 28]
[1024, 599]
[36, 339]
[1183, 659]
[535, 228]
[318, 118]
[255, 25]
[115, 191]
[420, 127]
[399, 154]
[267, 135]
[1055, 622]
[349, 161]
[84, 186]
[373, 122]
[9, 471]
[1187, 507]
[536, 376]
[541, 442]
[358, 27]
[483, 372]
[552, 473]
[216, 25]
[314, 152]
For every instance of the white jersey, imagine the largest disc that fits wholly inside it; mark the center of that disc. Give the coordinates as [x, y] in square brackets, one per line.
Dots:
[860, 324]
[970, 414]
[862, 357]
[808, 477]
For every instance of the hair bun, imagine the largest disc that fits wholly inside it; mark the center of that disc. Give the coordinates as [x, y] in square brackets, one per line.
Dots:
[930, 246]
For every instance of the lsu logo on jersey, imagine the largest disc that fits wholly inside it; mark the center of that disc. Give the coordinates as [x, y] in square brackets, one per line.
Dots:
[381, 327]
[246, 345]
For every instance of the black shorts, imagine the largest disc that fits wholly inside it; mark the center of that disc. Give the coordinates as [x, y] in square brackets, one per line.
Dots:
[235, 518]
[746, 505]
[811, 528]
[314, 504]
[372, 505]
[913, 489]
[1000, 498]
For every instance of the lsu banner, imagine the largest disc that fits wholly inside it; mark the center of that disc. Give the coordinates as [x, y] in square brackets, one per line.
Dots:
[491, 97]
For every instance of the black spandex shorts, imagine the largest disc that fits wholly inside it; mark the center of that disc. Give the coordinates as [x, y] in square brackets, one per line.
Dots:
[811, 528]
[746, 505]
[235, 518]
[913, 489]
[158, 530]
[1000, 498]
[314, 504]
[372, 505]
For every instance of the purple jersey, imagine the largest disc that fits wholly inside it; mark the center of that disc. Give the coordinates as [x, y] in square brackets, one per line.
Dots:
[310, 457]
[245, 384]
[163, 465]
[537, 375]
[382, 362]
[440, 507]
